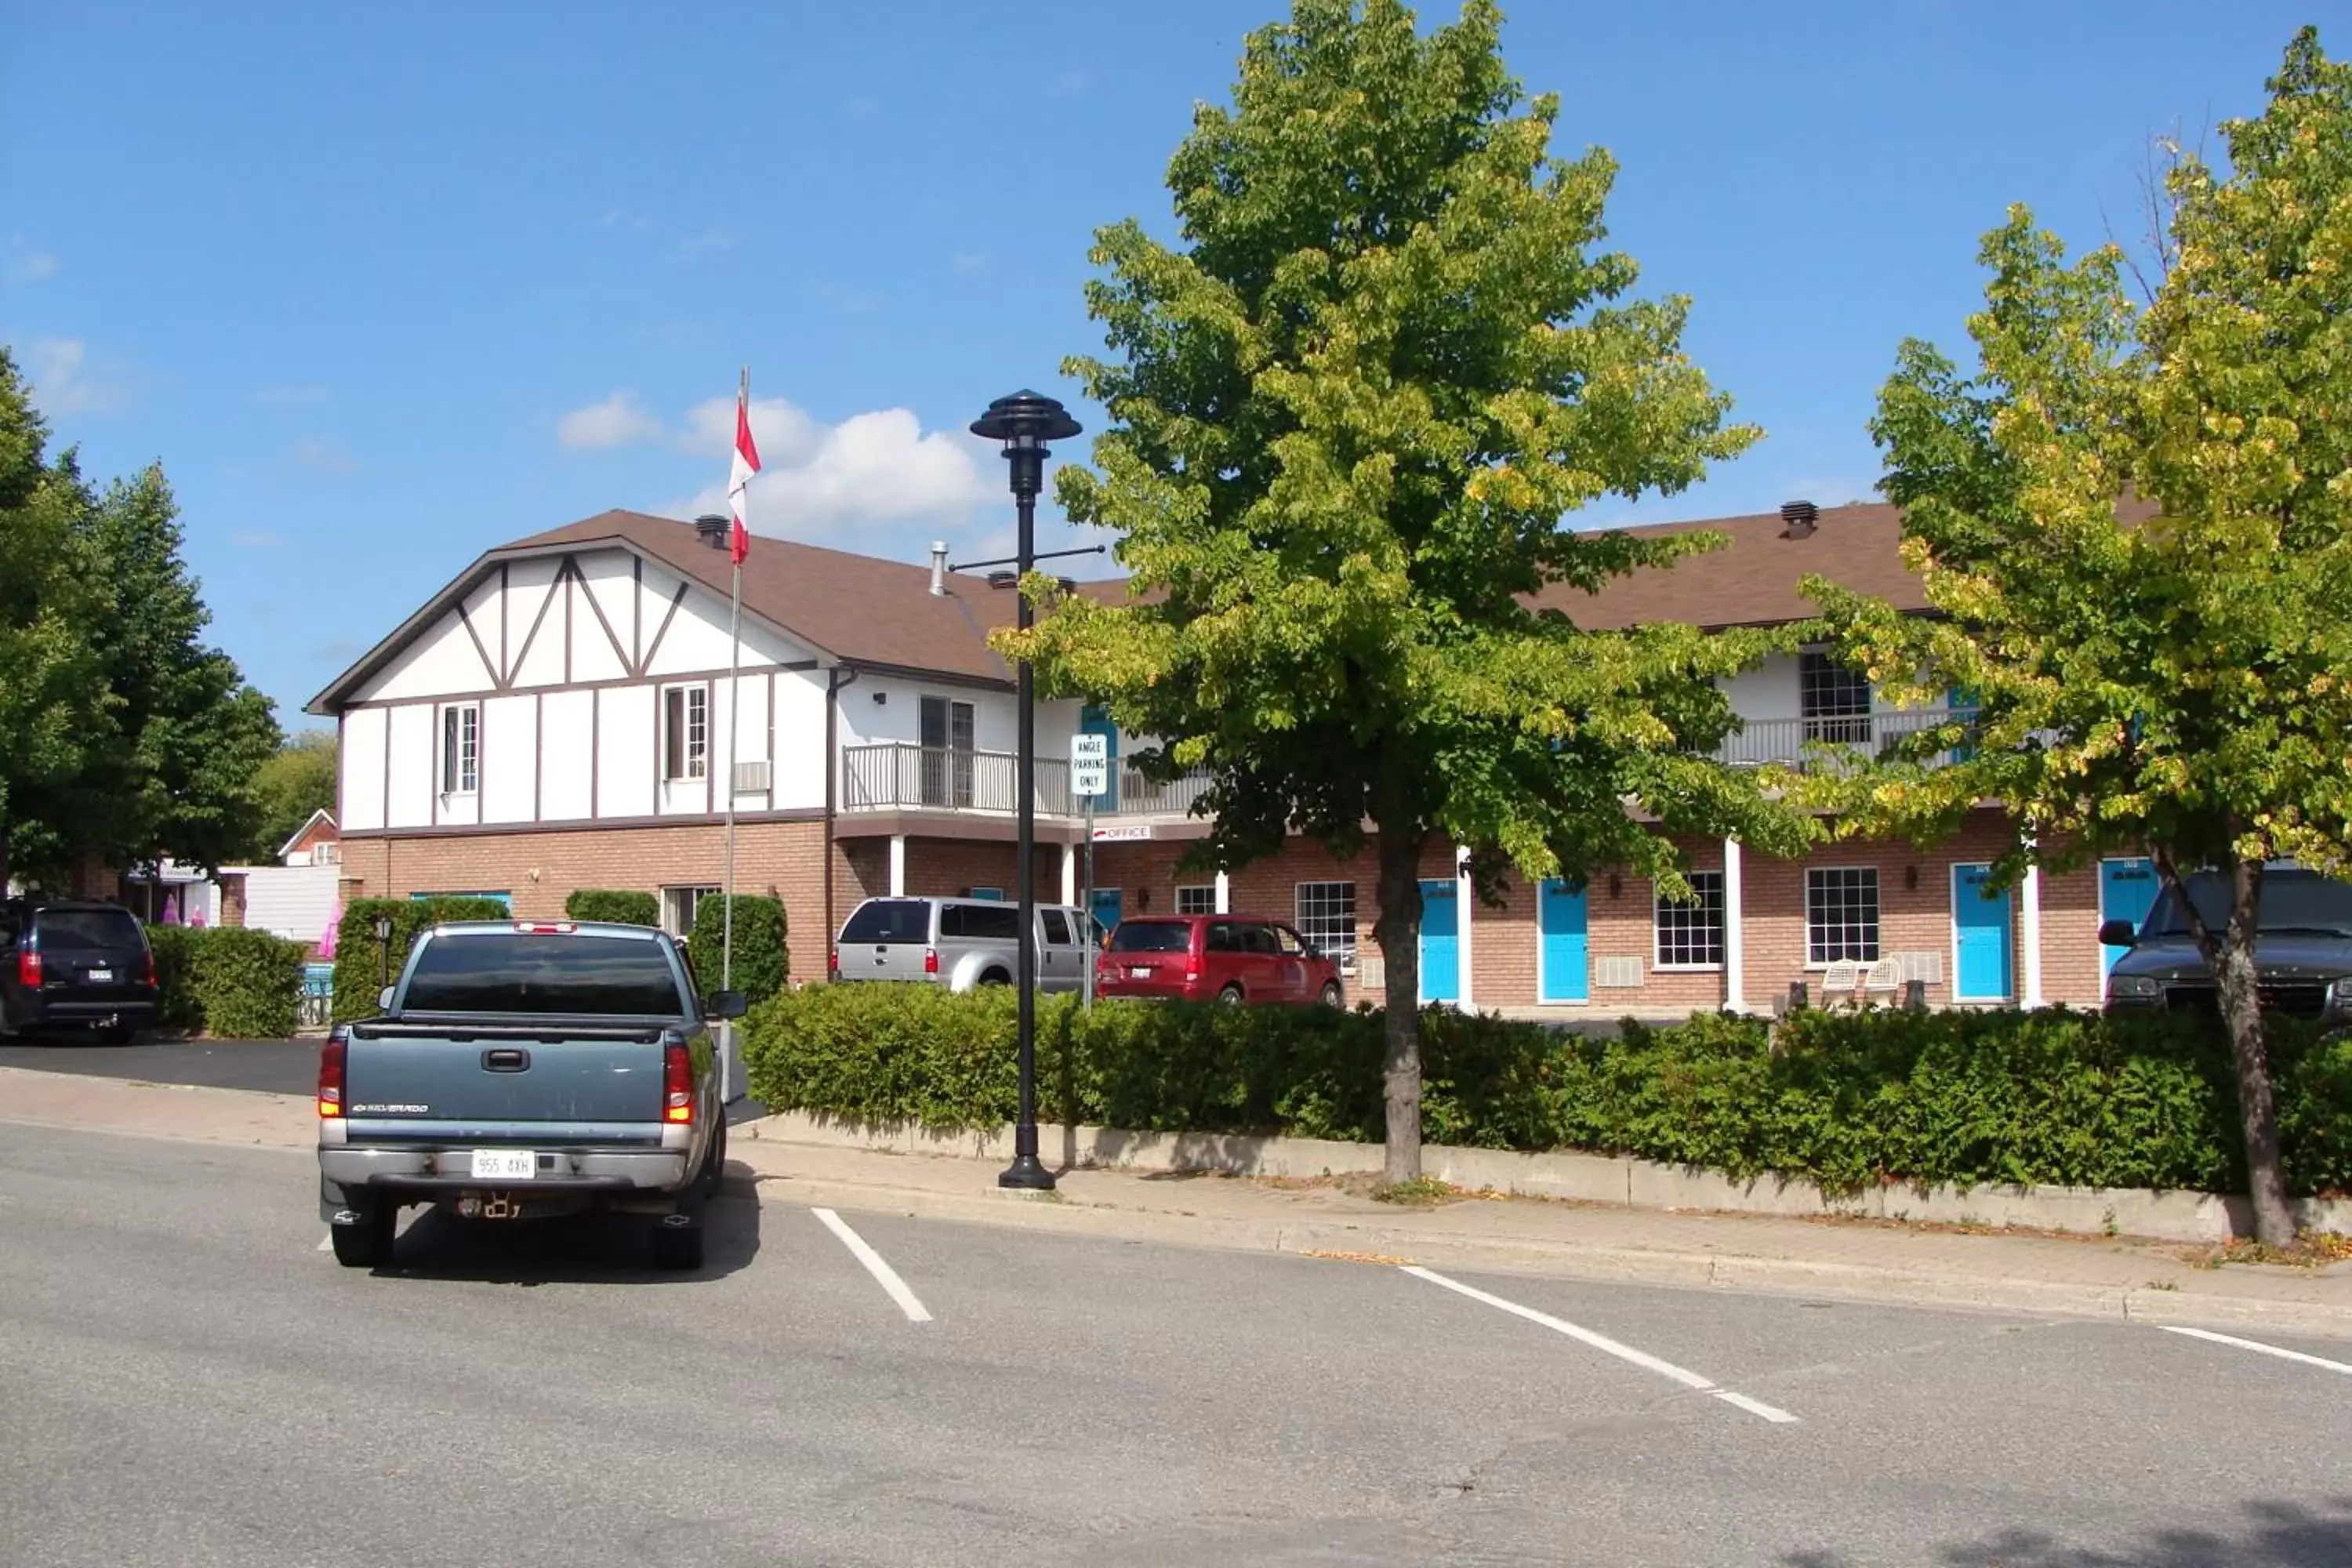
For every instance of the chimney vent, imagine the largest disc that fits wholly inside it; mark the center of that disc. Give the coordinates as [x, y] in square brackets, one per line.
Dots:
[1002, 579]
[1069, 586]
[1799, 519]
[712, 527]
[939, 569]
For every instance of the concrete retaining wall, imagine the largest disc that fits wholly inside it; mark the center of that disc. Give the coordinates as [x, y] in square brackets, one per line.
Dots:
[1585, 1178]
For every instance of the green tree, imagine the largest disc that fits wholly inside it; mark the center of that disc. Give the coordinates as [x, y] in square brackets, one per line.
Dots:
[53, 705]
[1350, 414]
[297, 780]
[2174, 675]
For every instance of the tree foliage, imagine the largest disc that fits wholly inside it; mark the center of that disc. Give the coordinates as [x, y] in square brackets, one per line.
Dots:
[126, 736]
[297, 780]
[2172, 675]
[1351, 412]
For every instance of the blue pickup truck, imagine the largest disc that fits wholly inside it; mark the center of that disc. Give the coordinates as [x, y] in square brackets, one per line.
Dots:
[523, 1069]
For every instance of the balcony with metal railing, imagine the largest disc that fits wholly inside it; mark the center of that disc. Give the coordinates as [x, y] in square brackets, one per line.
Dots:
[1833, 743]
[899, 776]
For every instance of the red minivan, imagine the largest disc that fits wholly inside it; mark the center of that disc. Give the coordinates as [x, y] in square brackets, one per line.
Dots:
[1231, 959]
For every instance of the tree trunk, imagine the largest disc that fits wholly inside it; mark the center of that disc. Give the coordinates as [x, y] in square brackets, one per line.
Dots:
[2242, 1014]
[1398, 930]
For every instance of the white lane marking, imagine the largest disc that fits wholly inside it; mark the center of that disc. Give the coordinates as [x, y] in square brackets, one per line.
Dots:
[1608, 1346]
[2262, 1348]
[327, 1242]
[883, 1275]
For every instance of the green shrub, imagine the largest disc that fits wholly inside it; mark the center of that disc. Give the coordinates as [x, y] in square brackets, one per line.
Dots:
[226, 982]
[1848, 1099]
[616, 905]
[760, 959]
[359, 964]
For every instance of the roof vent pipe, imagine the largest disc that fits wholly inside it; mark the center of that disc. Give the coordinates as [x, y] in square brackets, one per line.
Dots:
[1798, 518]
[712, 527]
[939, 569]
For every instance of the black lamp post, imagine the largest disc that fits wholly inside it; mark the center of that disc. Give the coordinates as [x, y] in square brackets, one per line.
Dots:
[1025, 422]
[384, 947]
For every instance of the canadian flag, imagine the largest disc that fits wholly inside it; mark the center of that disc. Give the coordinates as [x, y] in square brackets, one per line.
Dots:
[738, 476]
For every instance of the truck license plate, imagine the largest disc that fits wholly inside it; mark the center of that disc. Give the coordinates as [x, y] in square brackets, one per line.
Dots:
[101, 977]
[505, 1164]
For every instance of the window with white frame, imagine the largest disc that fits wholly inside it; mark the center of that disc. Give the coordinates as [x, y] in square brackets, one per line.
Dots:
[1690, 932]
[686, 732]
[1326, 915]
[1833, 699]
[678, 907]
[1841, 914]
[1197, 900]
[461, 748]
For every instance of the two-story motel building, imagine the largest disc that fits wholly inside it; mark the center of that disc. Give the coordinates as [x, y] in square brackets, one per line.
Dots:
[560, 716]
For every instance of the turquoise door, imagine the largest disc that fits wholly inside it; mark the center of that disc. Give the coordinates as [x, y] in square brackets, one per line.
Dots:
[1107, 902]
[2127, 892]
[1441, 942]
[1560, 920]
[1980, 943]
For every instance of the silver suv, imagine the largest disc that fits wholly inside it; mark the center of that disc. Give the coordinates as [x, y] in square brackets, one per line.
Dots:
[962, 942]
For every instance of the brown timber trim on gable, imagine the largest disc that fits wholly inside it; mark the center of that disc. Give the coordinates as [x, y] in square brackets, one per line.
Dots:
[797, 667]
[538, 753]
[930, 676]
[565, 576]
[498, 681]
[598, 611]
[636, 612]
[505, 613]
[662, 631]
[593, 825]
[531, 635]
[387, 767]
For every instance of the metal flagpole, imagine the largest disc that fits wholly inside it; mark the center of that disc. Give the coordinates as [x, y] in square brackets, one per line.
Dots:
[734, 723]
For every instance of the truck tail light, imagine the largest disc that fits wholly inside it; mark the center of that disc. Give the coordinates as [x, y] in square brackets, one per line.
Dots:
[331, 1073]
[931, 960]
[28, 968]
[148, 966]
[678, 1084]
[547, 928]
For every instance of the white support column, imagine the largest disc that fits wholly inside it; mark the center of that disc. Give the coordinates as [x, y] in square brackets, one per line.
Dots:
[1225, 894]
[898, 865]
[2030, 896]
[1464, 897]
[1734, 940]
[1070, 874]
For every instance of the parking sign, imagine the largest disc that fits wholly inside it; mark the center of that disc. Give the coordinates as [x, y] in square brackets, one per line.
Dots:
[1089, 765]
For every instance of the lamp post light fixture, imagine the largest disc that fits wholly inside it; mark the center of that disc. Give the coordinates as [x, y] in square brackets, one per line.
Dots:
[384, 947]
[1025, 422]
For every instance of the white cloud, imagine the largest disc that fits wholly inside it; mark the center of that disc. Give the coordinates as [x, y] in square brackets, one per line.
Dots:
[65, 383]
[618, 421]
[322, 457]
[32, 267]
[783, 433]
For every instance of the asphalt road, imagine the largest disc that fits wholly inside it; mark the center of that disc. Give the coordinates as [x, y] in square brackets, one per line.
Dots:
[275, 1067]
[188, 1380]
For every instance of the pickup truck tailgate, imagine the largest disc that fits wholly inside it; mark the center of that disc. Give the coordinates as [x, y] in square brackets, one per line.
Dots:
[563, 1081]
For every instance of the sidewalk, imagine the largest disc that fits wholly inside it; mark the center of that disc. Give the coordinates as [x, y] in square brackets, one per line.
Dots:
[2096, 1277]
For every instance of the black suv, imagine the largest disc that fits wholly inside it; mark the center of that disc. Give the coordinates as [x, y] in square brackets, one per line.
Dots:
[74, 966]
[2303, 949]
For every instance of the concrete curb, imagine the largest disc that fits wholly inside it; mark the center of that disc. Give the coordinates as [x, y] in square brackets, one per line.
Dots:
[1616, 1181]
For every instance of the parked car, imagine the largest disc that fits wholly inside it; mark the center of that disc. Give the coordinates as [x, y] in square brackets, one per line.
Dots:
[2303, 949]
[1223, 958]
[524, 1069]
[962, 943]
[74, 964]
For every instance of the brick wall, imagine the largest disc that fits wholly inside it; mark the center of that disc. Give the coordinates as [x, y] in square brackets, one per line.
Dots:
[540, 870]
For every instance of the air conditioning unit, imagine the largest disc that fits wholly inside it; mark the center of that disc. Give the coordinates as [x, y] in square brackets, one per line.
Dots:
[754, 778]
[1617, 974]
[1925, 967]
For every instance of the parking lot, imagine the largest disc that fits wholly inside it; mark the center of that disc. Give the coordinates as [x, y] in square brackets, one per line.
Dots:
[191, 1380]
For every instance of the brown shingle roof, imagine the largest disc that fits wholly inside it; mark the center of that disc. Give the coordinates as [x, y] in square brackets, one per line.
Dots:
[1753, 580]
[859, 609]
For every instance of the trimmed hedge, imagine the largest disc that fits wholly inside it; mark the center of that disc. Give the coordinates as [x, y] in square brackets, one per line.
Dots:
[359, 966]
[762, 960]
[226, 982]
[1847, 1099]
[617, 905]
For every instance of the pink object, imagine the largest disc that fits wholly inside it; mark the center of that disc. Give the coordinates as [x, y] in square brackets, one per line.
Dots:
[171, 908]
[334, 928]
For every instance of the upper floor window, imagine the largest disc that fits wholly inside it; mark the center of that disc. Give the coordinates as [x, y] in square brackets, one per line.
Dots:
[686, 732]
[461, 748]
[1833, 699]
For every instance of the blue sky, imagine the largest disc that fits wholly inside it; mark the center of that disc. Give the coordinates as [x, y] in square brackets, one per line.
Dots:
[384, 287]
